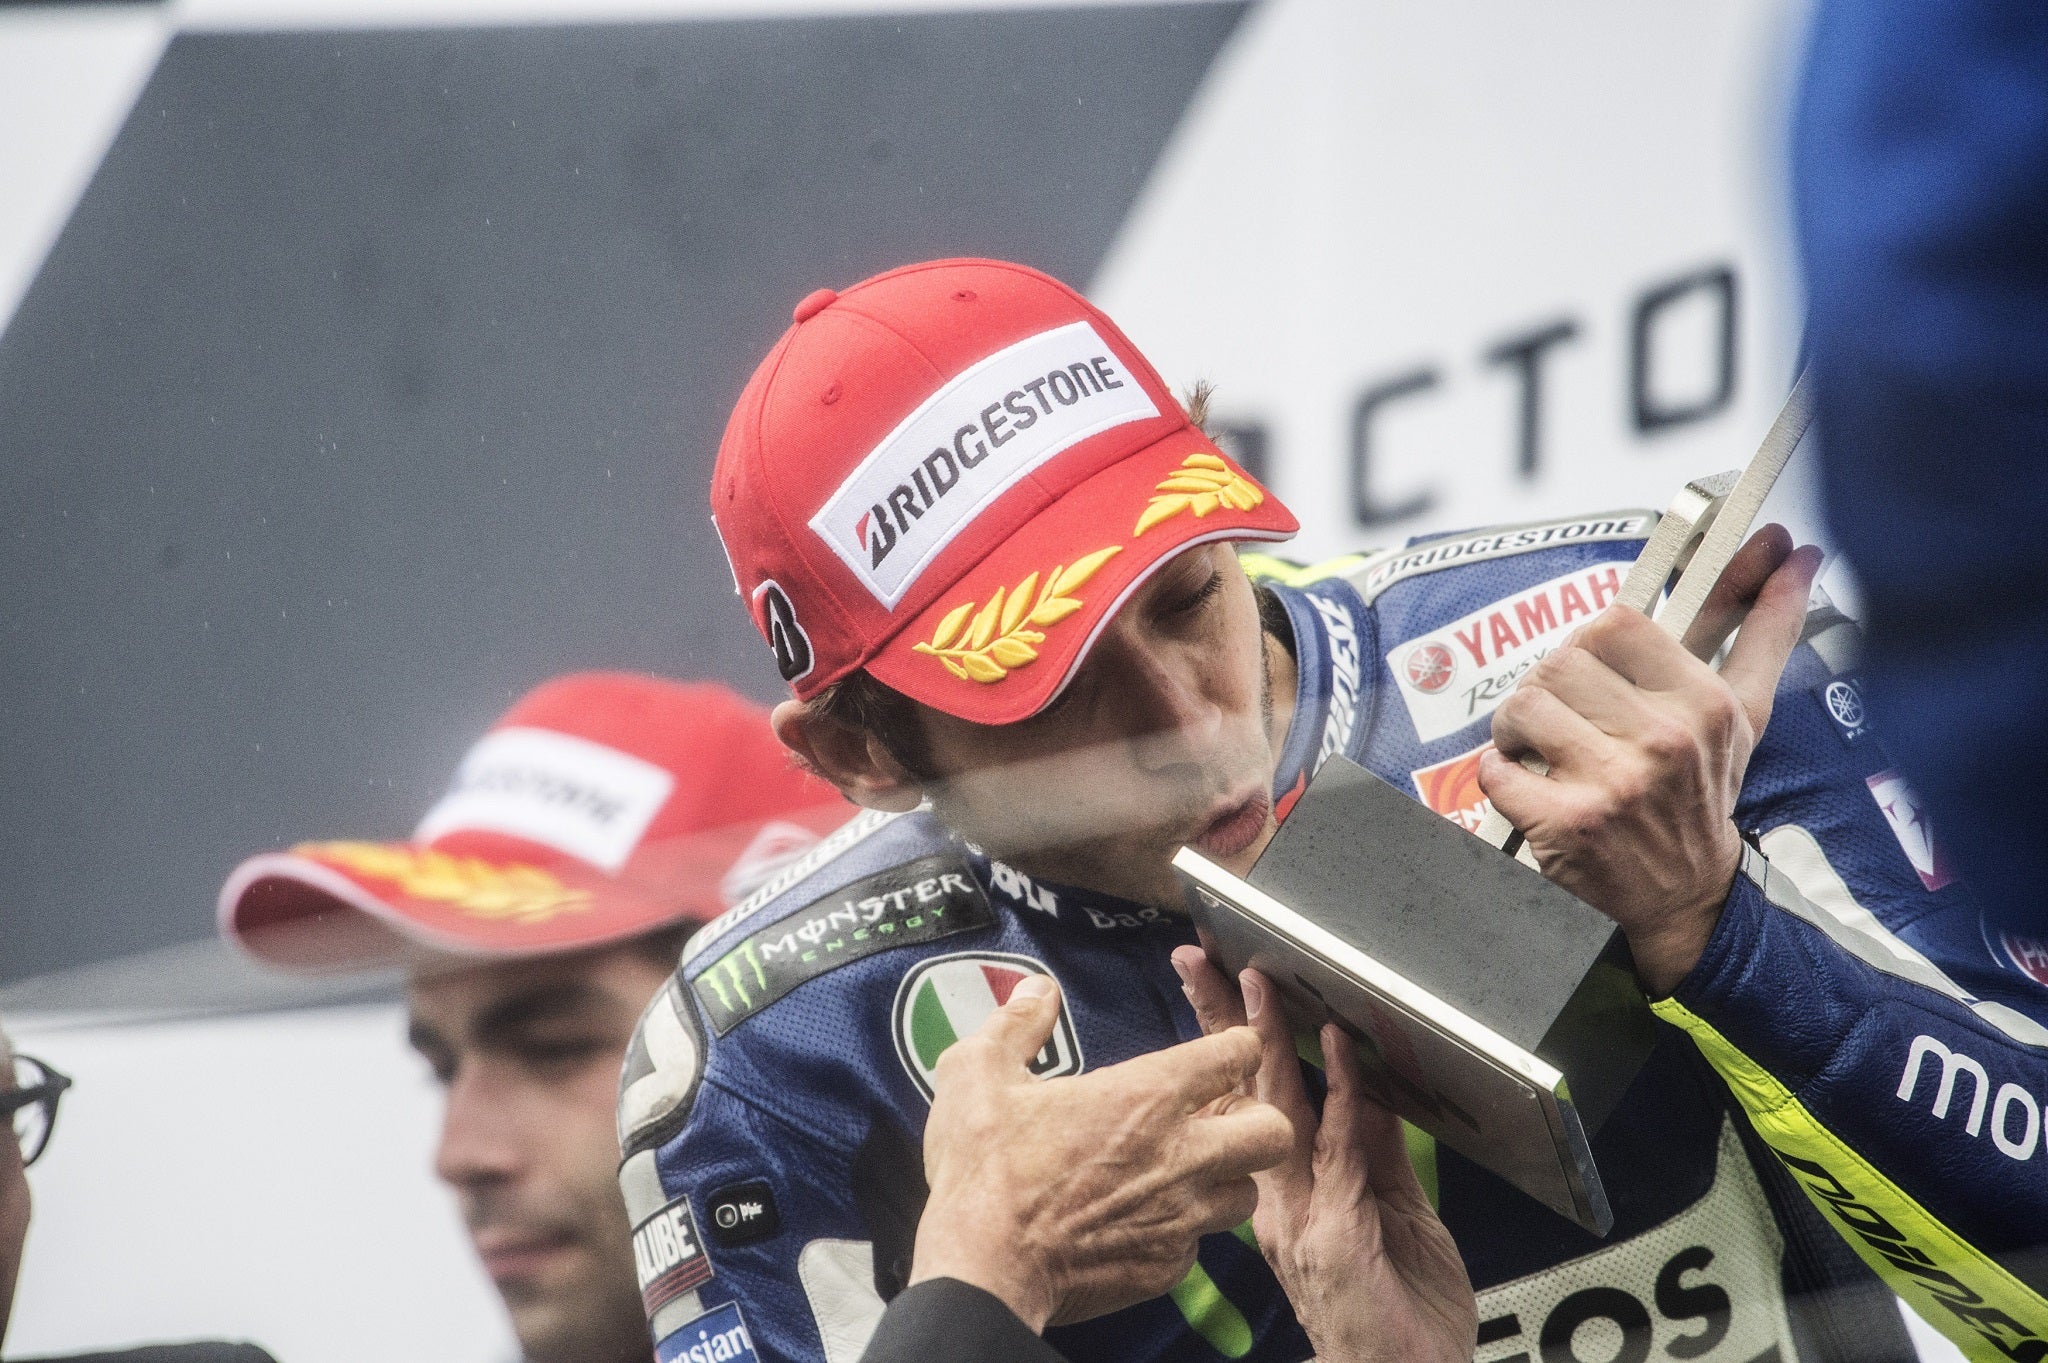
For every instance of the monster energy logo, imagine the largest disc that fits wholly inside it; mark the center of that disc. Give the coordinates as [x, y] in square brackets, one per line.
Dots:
[920, 901]
[727, 980]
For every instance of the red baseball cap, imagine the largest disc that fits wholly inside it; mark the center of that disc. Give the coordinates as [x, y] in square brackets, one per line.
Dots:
[952, 475]
[601, 806]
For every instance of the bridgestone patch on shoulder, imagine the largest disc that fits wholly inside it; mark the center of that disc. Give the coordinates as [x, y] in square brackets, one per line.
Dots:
[1389, 567]
[919, 901]
[859, 827]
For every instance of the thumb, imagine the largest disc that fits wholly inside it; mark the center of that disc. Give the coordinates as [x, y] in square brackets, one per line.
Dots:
[1019, 1029]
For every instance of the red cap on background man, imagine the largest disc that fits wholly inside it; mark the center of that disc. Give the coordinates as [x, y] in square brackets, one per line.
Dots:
[601, 806]
[952, 474]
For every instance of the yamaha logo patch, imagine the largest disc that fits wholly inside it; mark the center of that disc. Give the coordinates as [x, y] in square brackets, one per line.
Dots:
[1462, 672]
[793, 657]
[1842, 698]
[1430, 668]
[947, 997]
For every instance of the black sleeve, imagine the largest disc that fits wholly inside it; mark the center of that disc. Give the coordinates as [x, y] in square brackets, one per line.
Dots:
[943, 1319]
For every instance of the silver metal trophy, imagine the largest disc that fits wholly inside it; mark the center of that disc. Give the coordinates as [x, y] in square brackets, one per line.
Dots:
[1492, 1009]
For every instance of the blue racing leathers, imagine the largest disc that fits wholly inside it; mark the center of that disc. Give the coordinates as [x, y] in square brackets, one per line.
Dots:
[775, 1094]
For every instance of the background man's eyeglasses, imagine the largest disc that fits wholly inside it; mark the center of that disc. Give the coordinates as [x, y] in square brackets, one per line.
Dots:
[32, 1104]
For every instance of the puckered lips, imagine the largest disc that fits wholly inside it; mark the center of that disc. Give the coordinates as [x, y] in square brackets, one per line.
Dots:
[1235, 826]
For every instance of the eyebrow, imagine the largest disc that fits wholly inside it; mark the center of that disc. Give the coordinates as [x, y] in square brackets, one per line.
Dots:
[423, 1037]
[505, 1017]
[546, 1003]
[1184, 575]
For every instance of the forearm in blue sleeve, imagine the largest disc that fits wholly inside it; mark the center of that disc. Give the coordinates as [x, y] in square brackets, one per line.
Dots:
[1908, 1111]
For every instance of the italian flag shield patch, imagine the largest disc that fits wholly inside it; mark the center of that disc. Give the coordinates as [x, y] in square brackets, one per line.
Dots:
[948, 997]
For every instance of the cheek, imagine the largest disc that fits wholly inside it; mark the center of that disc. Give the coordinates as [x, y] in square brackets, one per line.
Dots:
[596, 1095]
[14, 1214]
[1025, 795]
[583, 1153]
[1237, 667]
[571, 1127]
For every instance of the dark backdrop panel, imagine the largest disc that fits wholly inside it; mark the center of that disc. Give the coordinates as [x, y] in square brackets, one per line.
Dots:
[378, 376]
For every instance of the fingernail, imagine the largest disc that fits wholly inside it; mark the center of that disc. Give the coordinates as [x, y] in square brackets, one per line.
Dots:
[1032, 987]
[1181, 970]
[1254, 994]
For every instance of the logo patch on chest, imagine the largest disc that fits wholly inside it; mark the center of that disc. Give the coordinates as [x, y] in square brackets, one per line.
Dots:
[1842, 701]
[718, 1336]
[742, 1214]
[1704, 1287]
[948, 997]
[920, 901]
[668, 1256]
[1451, 788]
[1912, 827]
[1460, 673]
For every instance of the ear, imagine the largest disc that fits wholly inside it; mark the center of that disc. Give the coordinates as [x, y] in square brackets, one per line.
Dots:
[850, 758]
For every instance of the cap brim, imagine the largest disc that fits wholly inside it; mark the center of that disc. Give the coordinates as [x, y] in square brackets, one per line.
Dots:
[1006, 638]
[332, 906]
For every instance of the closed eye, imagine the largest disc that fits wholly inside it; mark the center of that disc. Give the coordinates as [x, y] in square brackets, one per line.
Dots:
[1189, 605]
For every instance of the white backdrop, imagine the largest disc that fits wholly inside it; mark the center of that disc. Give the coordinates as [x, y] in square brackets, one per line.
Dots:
[1377, 193]
[263, 1178]
[1367, 197]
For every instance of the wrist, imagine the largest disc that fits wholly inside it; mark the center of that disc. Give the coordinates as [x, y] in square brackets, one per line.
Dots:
[1340, 1336]
[987, 1263]
[1667, 949]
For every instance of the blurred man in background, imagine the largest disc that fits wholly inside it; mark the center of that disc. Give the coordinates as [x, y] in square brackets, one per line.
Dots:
[539, 906]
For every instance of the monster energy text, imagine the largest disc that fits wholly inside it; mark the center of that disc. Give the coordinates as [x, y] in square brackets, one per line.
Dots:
[919, 901]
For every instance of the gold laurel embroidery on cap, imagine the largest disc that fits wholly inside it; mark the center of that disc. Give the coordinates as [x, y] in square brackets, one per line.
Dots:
[526, 895]
[985, 645]
[1201, 484]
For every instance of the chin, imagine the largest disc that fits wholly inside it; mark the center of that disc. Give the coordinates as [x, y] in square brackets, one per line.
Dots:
[589, 1315]
[1143, 875]
[552, 1330]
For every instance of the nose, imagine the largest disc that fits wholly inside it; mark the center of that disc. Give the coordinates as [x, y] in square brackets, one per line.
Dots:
[479, 1143]
[1170, 716]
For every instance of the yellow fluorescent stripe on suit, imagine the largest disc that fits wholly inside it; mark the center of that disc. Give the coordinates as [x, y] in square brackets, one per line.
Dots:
[1989, 1314]
[1268, 568]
